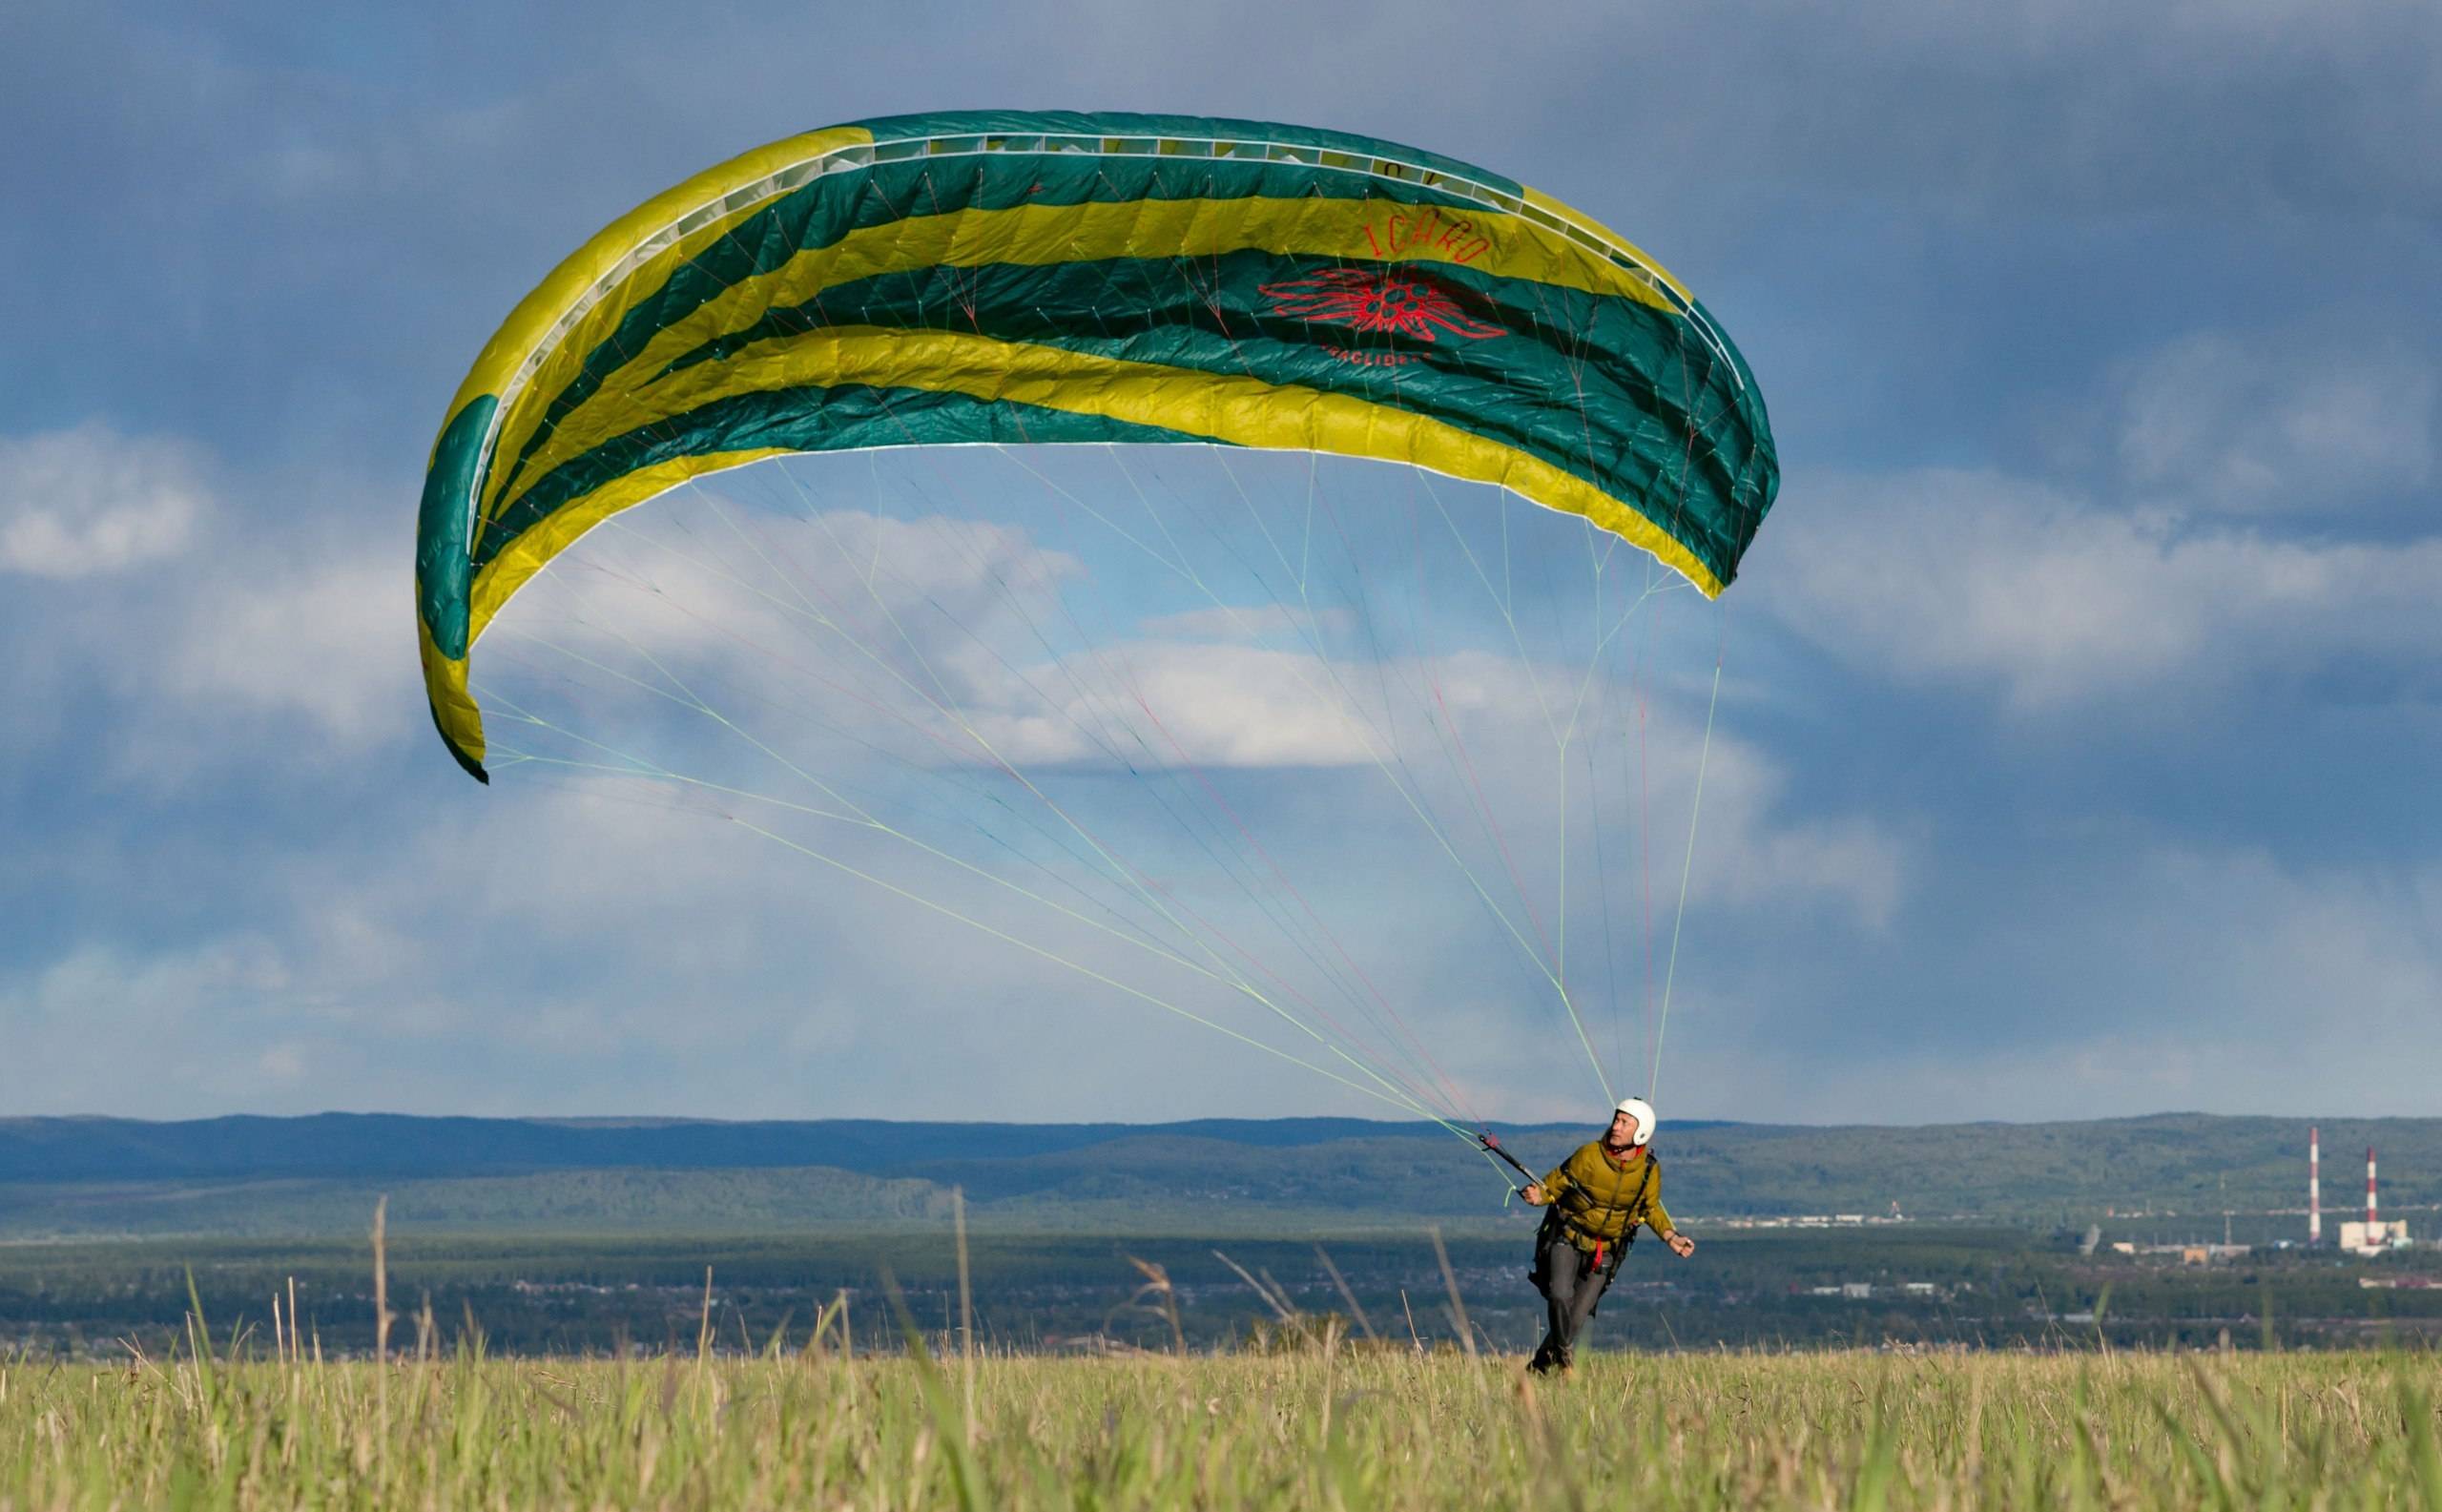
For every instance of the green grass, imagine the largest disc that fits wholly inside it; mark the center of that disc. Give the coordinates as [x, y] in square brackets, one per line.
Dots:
[1328, 1426]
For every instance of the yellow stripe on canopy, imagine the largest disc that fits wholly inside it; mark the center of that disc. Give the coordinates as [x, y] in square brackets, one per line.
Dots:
[1236, 410]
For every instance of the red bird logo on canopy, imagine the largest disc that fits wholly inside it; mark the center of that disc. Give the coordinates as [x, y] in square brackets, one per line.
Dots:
[1378, 300]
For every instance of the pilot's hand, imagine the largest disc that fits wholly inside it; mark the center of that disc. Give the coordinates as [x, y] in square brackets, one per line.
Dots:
[1534, 1193]
[1680, 1244]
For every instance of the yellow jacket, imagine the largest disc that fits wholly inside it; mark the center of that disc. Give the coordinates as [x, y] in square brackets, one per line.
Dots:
[1603, 1200]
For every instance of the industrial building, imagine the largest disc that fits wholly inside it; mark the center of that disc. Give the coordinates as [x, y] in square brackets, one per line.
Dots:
[2371, 1238]
[2374, 1238]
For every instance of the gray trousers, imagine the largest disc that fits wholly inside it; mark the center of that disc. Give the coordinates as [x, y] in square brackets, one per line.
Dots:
[1572, 1285]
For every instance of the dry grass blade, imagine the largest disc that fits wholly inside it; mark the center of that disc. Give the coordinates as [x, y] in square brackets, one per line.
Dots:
[1457, 1304]
[965, 1307]
[1280, 1308]
[1157, 1283]
[1356, 1311]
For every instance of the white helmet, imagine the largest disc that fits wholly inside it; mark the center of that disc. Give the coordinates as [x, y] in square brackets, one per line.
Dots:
[1638, 1108]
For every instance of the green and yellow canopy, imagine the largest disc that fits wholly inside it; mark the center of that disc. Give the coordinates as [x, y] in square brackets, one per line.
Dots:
[1036, 278]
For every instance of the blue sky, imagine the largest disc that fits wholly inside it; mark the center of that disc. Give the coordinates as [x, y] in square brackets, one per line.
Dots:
[2083, 692]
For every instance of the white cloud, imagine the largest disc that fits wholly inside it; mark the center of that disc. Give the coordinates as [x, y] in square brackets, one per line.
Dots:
[285, 1062]
[2053, 600]
[87, 977]
[2271, 947]
[324, 641]
[925, 639]
[1202, 705]
[1752, 851]
[98, 1027]
[2280, 422]
[89, 501]
[248, 639]
[1247, 622]
[2167, 976]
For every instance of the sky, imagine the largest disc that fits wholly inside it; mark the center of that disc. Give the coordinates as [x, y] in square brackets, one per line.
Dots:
[2081, 698]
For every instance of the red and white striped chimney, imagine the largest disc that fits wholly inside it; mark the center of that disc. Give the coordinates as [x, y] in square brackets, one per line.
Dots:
[2371, 1219]
[2314, 1186]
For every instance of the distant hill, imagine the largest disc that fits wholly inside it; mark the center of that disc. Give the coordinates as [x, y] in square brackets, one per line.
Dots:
[399, 1145]
[318, 1174]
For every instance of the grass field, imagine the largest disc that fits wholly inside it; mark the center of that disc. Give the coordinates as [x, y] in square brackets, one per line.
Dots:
[1326, 1426]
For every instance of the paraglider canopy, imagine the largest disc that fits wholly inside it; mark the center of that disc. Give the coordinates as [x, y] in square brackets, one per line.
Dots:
[1044, 278]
